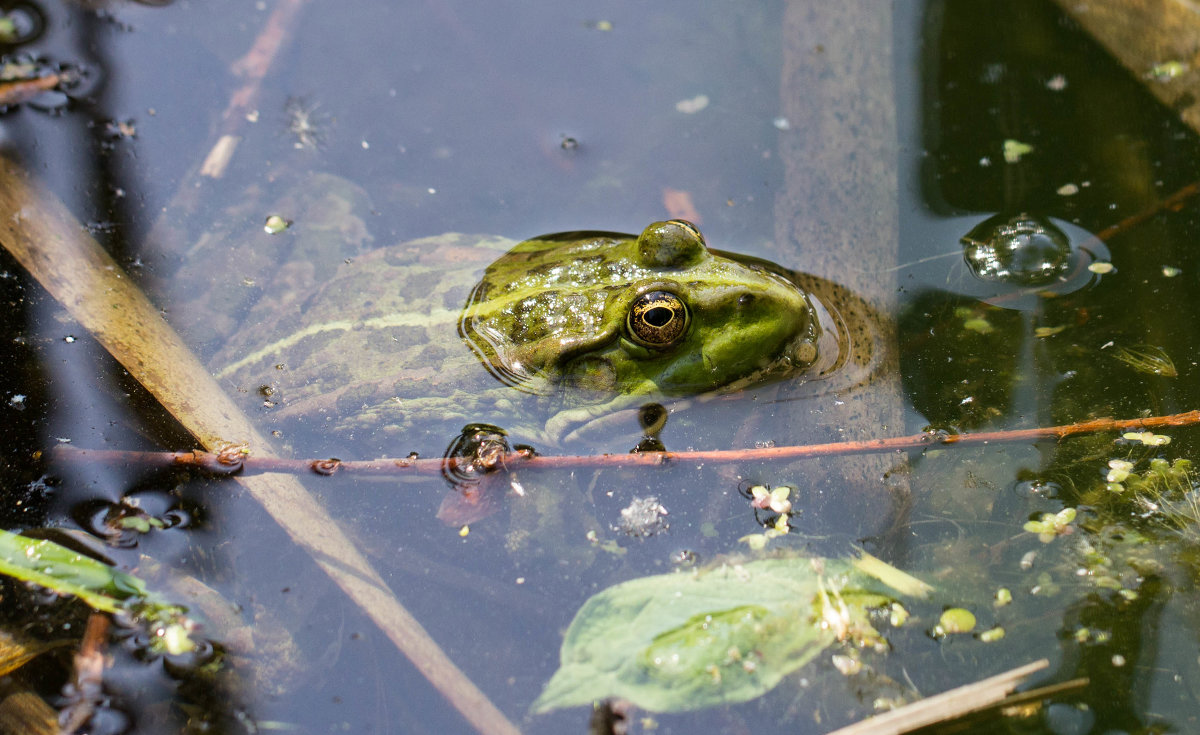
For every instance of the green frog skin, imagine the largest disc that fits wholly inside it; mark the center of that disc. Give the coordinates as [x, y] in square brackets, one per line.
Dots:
[404, 345]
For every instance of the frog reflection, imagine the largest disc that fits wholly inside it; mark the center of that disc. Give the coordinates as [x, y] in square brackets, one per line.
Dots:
[558, 335]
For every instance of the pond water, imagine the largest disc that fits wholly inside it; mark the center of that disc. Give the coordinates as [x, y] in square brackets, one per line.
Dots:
[372, 126]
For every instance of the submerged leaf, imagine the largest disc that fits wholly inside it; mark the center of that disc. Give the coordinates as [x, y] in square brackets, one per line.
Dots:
[728, 634]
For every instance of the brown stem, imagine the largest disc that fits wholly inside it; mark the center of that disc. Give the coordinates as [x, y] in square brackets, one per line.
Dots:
[250, 464]
[20, 90]
[89, 673]
[1172, 203]
[253, 69]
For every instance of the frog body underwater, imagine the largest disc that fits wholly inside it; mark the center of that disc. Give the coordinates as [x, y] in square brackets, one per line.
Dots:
[402, 346]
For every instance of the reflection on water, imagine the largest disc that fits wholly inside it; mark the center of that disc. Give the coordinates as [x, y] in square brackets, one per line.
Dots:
[980, 355]
[551, 117]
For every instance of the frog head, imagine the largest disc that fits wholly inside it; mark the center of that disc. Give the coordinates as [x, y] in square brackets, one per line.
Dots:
[607, 318]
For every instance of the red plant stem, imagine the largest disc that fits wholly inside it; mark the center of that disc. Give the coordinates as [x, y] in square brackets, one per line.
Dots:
[1172, 203]
[250, 464]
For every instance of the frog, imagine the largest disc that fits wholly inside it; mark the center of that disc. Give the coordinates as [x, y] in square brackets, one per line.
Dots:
[557, 339]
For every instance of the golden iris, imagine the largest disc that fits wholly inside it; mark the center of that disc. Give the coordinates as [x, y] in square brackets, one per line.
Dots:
[657, 319]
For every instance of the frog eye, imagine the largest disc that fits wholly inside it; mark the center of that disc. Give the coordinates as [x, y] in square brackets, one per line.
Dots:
[657, 319]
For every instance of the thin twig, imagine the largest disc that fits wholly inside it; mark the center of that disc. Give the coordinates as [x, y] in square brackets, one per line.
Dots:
[253, 69]
[1172, 203]
[253, 464]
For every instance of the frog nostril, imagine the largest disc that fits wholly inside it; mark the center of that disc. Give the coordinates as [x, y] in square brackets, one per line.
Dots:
[745, 299]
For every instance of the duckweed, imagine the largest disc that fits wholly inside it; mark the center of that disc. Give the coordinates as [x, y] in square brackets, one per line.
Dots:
[1052, 525]
[954, 620]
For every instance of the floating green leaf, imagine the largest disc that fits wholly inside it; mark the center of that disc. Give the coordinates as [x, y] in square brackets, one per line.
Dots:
[727, 634]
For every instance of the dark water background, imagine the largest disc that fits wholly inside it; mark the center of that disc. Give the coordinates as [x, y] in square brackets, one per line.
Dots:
[453, 117]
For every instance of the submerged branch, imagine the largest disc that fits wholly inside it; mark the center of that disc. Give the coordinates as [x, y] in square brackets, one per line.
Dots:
[228, 463]
[252, 69]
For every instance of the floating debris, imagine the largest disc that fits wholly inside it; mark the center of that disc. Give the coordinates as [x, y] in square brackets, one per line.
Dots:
[643, 517]
[1166, 71]
[679, 205]
[1014, 149]
[1101, 267]
[1148, 438]
[1147, 359]
[978, 324]
[954, 620]
[1052, 525]
[774, 498]
[692, 106]
[305, 123]
[1170, 271]
[1118, 470]
[276, 224]
[991, 635]
[1067, 190]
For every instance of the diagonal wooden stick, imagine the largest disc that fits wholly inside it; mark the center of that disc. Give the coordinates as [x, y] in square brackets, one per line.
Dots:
[950, 705]
[53, 246]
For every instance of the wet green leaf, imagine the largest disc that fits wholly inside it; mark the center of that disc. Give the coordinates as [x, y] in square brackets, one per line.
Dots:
[686, 641]
[69, 572]
[66, 571]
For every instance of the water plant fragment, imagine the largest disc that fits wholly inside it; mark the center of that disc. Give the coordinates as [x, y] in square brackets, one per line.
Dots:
[1146, 359]
[954, 620]
[729, 633]
[276, 224]
[1014, 149]
[1052, 525]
